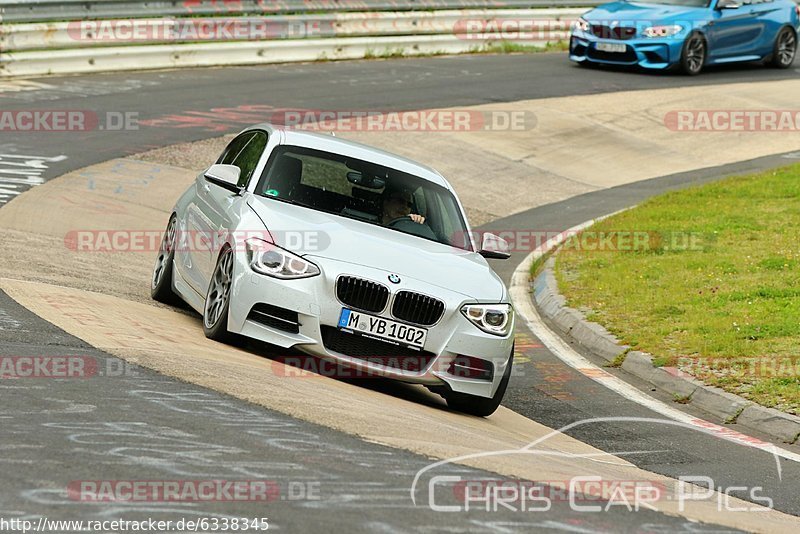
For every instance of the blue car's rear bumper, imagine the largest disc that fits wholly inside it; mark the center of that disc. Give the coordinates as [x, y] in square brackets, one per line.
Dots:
[648, 53]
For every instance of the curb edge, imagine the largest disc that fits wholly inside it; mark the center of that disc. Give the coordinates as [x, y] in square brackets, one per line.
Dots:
[729, 408]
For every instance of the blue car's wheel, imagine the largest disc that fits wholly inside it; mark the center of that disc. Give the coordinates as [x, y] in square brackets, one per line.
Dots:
[693, 55]
[785, 49]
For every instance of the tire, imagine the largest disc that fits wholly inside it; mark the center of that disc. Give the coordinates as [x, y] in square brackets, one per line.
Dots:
[218, 299]
[693, 54]
[161, 283]
[480, 406]
[785, 49]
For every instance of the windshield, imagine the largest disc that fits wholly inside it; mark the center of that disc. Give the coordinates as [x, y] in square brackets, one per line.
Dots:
[364, 191]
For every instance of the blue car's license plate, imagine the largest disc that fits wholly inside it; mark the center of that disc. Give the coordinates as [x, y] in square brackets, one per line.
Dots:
[612, 47]
[384, 329]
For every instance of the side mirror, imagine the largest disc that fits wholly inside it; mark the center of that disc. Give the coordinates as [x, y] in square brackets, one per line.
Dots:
[728, 4]
[226, 176]
[494, 247]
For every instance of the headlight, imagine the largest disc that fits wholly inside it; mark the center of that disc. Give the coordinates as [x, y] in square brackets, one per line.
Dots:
[492, 318]
[581, 24]
[662, 31]
[266, 258]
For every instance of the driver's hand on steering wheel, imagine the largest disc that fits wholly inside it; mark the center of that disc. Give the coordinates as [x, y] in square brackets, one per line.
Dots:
[417, 218]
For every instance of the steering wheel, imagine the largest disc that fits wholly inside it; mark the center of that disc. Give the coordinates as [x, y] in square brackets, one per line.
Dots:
[399, 219]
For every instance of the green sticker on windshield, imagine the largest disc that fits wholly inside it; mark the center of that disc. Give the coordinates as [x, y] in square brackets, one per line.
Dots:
[272, 192]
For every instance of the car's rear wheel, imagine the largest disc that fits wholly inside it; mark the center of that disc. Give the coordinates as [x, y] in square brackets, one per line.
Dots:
[481, 406]
[218, 299]
[785, 49]
[693, 55]
[161, 284]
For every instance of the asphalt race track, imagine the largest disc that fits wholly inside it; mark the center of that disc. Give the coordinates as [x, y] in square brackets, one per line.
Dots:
[143, 425]
[193, 433]
[385, 85]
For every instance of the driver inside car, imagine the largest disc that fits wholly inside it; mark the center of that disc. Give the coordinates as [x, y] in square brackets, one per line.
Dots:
[397, 204]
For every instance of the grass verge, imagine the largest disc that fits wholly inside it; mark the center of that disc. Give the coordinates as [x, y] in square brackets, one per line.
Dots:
[499, 47]
[706, 279]
[512, 47]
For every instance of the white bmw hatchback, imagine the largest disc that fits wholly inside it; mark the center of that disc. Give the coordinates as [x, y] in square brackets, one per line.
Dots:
[347, 253]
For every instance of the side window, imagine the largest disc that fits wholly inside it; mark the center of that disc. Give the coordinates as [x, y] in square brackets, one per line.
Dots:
[248, 156]
[446, 222]
[233, 148]
[244, 152]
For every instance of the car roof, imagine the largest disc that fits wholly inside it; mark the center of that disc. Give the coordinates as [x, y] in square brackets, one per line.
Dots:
[336, 145]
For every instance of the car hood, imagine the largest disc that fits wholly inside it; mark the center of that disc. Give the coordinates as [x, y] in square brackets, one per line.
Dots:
[639, 12]
[317, 234]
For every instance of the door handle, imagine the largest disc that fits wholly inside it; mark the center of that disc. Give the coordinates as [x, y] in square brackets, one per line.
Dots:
[206, 188]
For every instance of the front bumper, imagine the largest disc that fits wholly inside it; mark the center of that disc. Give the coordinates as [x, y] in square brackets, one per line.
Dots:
[318, 311]
[644, 52]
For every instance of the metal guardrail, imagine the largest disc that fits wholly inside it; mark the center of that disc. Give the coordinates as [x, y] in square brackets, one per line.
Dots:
[16, 11]
[545, 25]
[236, 38]
[239, 53]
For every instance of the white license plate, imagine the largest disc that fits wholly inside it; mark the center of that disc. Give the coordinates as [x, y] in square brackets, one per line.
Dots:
[612, 47]
[383, 329]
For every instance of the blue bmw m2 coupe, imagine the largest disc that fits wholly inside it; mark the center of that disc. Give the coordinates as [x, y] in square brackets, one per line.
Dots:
[687, 34]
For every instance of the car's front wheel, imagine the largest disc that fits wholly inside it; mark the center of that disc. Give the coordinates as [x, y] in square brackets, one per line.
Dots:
[693, 55]
[481, 406]
[785, 49]
[218, 299]
[161, 284]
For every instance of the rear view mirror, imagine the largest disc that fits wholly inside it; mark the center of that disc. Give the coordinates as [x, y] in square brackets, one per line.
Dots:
[494, 247]
[364, 180]
[226, 176]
